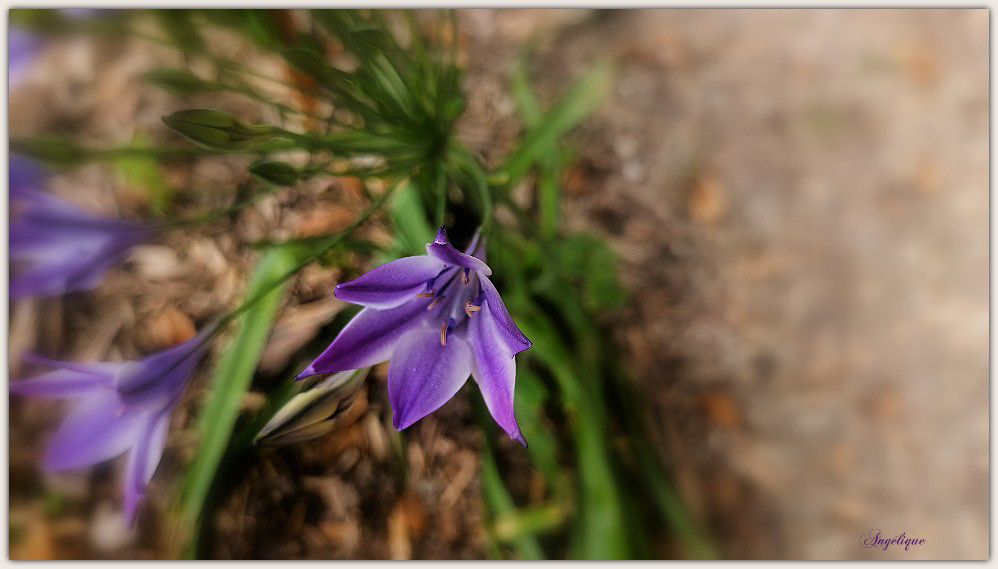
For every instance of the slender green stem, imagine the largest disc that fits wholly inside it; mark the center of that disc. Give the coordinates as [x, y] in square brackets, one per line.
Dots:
[467, 163]
[221, 213]
[111, 153]
[440, 185]
[251, 94]
[248, 303]
[113, 28]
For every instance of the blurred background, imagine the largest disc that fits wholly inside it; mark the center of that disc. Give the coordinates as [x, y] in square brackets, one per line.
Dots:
[798, 201]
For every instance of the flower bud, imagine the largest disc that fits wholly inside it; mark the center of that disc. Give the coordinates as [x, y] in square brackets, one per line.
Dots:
[314, 412]
[215, 129]
[275, 172]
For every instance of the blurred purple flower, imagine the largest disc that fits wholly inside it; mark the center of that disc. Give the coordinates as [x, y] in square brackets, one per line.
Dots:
[123, 407]
[56, 248]
[22, 47]
[439, 318]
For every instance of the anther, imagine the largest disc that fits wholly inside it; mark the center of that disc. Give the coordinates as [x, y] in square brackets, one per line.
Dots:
[464, 276]
[430, 294]
[443, 334]
[470, 309]
[434, 304]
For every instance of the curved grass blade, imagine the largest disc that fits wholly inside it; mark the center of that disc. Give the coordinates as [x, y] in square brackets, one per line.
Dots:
[232, 378]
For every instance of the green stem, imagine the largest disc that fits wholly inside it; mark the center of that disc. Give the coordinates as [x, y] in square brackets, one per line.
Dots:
[248, 303]
[467, 162]
[219, 214]
[440, 185]
[113, 28]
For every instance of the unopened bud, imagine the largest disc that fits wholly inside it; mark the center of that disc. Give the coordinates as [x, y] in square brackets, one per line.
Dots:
[215, 129]
[314, 412]
[276, 172]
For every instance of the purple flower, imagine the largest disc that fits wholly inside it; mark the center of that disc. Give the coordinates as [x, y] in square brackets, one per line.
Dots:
[22, 47]
[123, 406]
[56, 248]
[439, 318]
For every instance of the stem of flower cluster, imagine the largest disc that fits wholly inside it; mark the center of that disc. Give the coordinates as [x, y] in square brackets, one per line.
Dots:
[248, 303]
[219, 214]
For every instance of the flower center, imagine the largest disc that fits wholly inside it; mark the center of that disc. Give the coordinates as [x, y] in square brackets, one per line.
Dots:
[454, 302]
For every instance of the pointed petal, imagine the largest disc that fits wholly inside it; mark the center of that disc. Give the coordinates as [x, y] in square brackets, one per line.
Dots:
[369, 338]
[25, 176]
[391, 284]
[446, 252]
[62, 383]
[425, 374]
[96, 368]
[157, 380]
[494, 370]
[510, 333]
[43, 275]
[143, 460]
[100, 428]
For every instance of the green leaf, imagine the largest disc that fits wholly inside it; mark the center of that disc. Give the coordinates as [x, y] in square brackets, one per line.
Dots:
[589, 261]
[601, 524]
[179, 82]
[497, 498]
[52, 150]
[261, 27]
[523, 95]
[530, 396]
[183, 32]
[581, 99]
[232, 377]
[414, 230]
[373, 37]
[276, 172]
[512, 525]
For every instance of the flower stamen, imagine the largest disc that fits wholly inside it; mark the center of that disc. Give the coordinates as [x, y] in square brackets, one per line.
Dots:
[430, 294]
[443, 334]
[435, 302]
[470, 309]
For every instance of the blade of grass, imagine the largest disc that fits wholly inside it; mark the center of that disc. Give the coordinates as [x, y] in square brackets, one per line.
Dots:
[414, 230]
[601, 528]
[530, 520]
[497, 497]
[578, 102]
[232, 378]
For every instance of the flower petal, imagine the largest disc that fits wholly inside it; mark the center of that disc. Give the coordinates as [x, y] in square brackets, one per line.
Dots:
[97, 368]
[510, 333]
[425, 374]
[446, 252]
[99, 428]
[62, 383]
[157, 380]
[25, 176]
[143, 460]
[391, 284]
[368, 339]
[494, 370]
